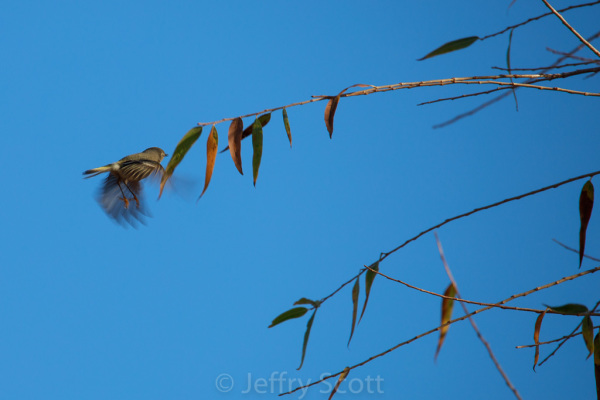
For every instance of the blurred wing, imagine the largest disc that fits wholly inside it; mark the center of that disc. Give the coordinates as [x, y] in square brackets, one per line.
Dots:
[140, 169]
[111, 200]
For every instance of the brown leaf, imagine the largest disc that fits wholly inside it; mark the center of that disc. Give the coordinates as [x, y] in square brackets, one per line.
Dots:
[586, 203]
[264, 120]
[447, 305]
[235, 142]
[332, 106]
[211, 155]
[343, 376]
[536, 337]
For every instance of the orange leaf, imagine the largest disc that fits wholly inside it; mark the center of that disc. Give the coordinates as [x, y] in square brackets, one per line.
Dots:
[447, 305]
[211, 155]
[235, 142]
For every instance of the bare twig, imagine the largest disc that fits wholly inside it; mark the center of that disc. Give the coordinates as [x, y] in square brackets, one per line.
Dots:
[473, 324]
[513, 297]
[525, 346]
[574, 250]
[536, 18]
[551, 67]
[565, 23]
[567, 55]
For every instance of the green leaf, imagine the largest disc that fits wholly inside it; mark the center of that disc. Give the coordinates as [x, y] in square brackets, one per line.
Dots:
[286, 123]
[451, 46]
[257, 146]
[369, 278]
[212, 145]
[569, 309]
[292, 313]
[264, 120]
[587, 331]
[586, 203]
[306, 335]
[447, 305]
[186, 142]
[509, 68]
[536, 337]
[355, 292]
[304, 300]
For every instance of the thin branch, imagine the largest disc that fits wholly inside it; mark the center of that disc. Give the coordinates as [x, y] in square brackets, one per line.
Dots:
[574, 250]
[513, 297]
[551, 67]
[477, 303]
[567, 55]
[536, 18]
[473, 324]
[565, 340]
[503, 95]
[565, 23]
[525, 346]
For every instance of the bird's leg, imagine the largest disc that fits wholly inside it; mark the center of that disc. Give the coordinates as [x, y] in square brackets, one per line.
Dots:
[137, 202]
[124, 198]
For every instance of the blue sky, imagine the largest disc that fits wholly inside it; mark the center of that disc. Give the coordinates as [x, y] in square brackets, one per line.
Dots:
[92, 310]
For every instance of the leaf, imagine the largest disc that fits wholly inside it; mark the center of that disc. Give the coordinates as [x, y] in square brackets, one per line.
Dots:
[447, 305]
[369, 277]
[304, 300]
[306, 335]
[235, 142]
[569, 309]
[341, 379]
[292, 313]
[451, 46]
[186, 142]
[508, 66]
[264, 120]
[597, 350]
[587, 331]
[257, 146]
[586, 203]
[355, 292]
[211, 155]
[536, 337]
[286, 123]
[330, 111]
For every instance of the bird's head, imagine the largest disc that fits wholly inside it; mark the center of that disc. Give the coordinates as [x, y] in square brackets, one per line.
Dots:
[157, 152]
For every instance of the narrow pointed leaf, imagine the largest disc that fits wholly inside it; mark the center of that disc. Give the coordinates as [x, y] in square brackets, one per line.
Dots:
[569, 309]
[306, 336]
[186, 142]
[369, 278]
[257, 146]
[264, 120]
[447, 305]
[212, 144]
[304, 300]
[586, 203]
[286, 123]
[451, 46]
[292, 313]
[341, 379]
[235, 142]
[587, 331]
[597, 363]
[330, 111]
[355, 292]
[536, 337]
[509, 67]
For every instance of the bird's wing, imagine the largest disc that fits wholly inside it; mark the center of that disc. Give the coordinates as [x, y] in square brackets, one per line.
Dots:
[111, 199]
[136, 170]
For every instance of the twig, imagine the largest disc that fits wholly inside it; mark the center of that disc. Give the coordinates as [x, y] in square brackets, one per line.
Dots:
[473, 324]
[525, 346]
[513, 297]
[574, 250]
[536, 18]
[565, 23]
[551, 67]
[567, 55]
[477, 303]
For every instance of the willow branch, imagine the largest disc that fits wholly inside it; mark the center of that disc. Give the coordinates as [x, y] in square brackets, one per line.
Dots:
[565, 23]
[486, 344]
[429, 332]
[551, 67]
[574, 250]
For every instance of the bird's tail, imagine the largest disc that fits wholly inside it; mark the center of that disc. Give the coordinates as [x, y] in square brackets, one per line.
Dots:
[96, 171]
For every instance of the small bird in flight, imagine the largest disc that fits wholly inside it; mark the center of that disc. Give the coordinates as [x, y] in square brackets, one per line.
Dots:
[123, 183]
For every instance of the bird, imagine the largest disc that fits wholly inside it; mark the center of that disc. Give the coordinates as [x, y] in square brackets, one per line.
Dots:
[123, 183]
